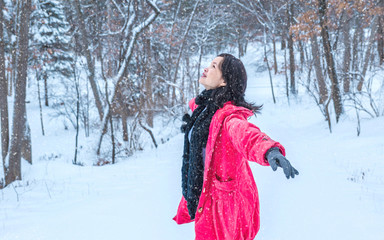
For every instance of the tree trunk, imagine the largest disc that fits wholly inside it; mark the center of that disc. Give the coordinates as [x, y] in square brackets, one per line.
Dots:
[150, 133]
[88, 56]
[283, 43]
[274, 53]
[380, 37]
[331, 68]
[123, 67]
[13, 171]
[368, 53]
[40, 107]
[380, 40]
[12, 80]
[240, 44]
[266, 61]
[347, 55]
[148, 84]
[125, 126]
[15, 29]
[112, 140]
[183, 43]
[45, 77]
[286, 75]
[170, 62]
[355, 45]
[195, 83]
[290, 47]
[26, 146]
[3, 92]
[302, 55]
[319, 72]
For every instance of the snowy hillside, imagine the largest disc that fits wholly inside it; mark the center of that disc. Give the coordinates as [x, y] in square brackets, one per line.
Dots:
[339, 193]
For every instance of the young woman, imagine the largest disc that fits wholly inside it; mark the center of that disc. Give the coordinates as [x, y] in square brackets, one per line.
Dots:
[219, 192]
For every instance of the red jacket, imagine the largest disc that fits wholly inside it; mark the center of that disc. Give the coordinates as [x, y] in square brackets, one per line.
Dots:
[229, 203]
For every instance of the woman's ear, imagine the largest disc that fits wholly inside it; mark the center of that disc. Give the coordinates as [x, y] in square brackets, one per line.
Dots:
[223, 83]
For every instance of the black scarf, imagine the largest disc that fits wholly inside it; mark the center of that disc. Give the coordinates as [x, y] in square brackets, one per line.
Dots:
[193, 165]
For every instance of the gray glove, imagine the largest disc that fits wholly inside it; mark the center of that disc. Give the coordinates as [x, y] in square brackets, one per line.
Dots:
[276, 159]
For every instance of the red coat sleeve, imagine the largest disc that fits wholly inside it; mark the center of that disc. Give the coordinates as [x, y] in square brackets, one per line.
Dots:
[182, 215]
[249, 140]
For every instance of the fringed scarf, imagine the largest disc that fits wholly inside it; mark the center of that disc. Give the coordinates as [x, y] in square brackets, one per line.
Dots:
[193, 159]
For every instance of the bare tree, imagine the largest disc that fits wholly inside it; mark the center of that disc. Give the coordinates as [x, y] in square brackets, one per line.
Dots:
[267, 62]
[331, 68]
[318, 69]
[268, 14]
[188, 27]
[131, 34]
[292, 65]
[12, 30]
[373, 27]
[148, 84]
[3, 91]
[210, 20]
[13, 159]
[347, 52]
[88, 56]
[380, 38]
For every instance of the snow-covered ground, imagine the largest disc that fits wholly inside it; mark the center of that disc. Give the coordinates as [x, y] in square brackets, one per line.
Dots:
[339, 193]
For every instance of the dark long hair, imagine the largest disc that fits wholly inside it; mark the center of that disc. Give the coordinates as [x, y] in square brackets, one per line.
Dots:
[235, 77]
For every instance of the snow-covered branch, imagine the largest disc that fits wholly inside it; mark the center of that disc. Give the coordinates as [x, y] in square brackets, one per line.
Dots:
[127, 56]
[135, 33]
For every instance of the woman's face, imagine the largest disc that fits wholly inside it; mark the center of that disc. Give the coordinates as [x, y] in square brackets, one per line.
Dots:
[212, 77]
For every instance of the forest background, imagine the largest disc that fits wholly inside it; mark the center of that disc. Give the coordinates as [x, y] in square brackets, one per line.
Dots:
[110, 68]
